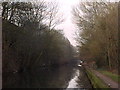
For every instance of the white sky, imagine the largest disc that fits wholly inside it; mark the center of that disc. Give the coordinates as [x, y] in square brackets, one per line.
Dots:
[65, 7]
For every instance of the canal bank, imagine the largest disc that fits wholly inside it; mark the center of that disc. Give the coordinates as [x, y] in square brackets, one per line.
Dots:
[66, 76]
[95, 81]
[98, 80]
[80, 80]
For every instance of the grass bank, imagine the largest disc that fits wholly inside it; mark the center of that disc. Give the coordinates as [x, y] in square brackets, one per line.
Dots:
[95, 81]
[113, 76]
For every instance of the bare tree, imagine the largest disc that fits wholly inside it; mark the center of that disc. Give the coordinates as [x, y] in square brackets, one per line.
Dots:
[97, 35]
[53, 15]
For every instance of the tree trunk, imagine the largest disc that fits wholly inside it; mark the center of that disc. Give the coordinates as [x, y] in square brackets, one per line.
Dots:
[109, 60]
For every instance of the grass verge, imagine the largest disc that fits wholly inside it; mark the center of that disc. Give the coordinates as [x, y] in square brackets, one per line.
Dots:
[113, 76]
[95, 81]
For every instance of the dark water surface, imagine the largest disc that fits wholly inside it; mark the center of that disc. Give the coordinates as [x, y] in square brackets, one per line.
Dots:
[63, 77]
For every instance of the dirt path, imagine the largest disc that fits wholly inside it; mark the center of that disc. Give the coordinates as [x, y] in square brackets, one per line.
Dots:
[107, 80]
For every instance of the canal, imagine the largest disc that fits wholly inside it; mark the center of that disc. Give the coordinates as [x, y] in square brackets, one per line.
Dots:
[66, 76]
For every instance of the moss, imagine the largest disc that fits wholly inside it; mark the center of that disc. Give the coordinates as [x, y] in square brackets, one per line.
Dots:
[96, 82]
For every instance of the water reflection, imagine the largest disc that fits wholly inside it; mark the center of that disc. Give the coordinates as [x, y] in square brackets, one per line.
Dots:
[73, 82]
[45, 78]
[83, 80]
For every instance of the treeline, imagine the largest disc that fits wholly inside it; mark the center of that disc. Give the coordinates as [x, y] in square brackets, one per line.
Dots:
[98, 32]
[29, 37]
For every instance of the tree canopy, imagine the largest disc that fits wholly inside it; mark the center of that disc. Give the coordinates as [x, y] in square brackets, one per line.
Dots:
[98, 32]
[29, 36]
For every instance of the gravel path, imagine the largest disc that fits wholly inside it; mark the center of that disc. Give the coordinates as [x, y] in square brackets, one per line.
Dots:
[107, 80]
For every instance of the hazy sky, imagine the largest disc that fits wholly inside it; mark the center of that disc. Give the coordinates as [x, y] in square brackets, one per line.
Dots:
[65, 7]
[68, 26]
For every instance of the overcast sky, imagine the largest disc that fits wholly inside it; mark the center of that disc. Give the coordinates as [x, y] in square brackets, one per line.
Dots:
[65, 7]
[67, 25]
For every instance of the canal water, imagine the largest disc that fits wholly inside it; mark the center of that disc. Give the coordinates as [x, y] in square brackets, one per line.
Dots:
[66, 76]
